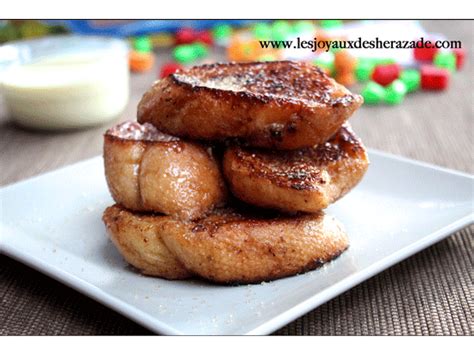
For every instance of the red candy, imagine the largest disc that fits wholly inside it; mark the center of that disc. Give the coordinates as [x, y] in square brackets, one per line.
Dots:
[168, 69]
[423, 53]
[185, 35]
[205, 37]
[188, 35]
[460, 56]
[385, 74]
[434, 78]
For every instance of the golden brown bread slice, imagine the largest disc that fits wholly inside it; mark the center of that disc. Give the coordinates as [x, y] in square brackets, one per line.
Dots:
[226, 246]
[300, 180]
[231, 247]
[281, 105]
[137, 238]
[147, 170]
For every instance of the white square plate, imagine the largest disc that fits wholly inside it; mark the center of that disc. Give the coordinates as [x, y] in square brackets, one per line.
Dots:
[53, 223]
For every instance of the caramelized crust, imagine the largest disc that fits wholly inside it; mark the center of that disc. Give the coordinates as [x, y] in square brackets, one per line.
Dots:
[137, 238]
[230, 247]
[227, 246]
[280, 105]
[147, 170]
[300, 180]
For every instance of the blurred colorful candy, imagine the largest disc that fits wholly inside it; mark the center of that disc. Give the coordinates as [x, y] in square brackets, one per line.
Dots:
[188, 53]
[234, 51]
[245, 51]
[373, 93]
[185, 35]
[446, 60]
[302, 27]
[200, 49]
[322, 37]
[433, 78]
[221, 34]
[188, 35]
[160, 40]
[185, 53]
[395, 92]
[142, 44]
[331, 24]
[385, 74]
[411, 78]
[460, 54]
[344, 62]
[262, 31]
[364, 69]
[422, 53]
[205, 37]
[141, 61]
[281, 30]
[169, 68]
[346, 79]
[344, 67]
[326, 62]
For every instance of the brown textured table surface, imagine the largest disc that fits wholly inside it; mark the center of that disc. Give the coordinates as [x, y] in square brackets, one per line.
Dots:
[429, 293]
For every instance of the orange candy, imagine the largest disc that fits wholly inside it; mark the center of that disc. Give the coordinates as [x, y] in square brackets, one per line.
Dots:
[140, 61]
[322, 37]
[248, 51]
[344, 66]
[240, 51]
[346, 79]
[344, 62]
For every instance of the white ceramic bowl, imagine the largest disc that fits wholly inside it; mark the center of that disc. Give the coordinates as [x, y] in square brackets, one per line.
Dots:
[64, 82]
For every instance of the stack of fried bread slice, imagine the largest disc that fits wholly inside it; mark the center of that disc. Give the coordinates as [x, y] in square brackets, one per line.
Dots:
[227, 171]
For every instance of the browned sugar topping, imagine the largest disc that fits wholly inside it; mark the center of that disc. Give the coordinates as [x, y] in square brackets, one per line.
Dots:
[235, 213]
[294, 81]
[135, 131]
[301, 169]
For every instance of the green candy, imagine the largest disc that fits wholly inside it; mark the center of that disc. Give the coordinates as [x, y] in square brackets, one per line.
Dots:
[446, 60]
[280, 30]
[303, 26]
[411, 78]
[395, 92]
[262, 31]
[325, 60]
[221, 32]
[373, 93]
[364, 69]
[185, 53]
[200, 49]
[143, 44]
[330, 24]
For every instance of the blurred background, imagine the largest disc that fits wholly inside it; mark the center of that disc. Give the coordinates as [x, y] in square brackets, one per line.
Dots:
[63, 83]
